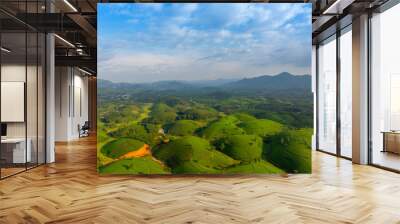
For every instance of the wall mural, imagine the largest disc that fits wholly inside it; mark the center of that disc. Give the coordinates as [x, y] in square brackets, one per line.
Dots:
[204, 88]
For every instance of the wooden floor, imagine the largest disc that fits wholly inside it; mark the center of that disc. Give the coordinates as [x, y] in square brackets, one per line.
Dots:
[70, 191]
[387, 159]
[5, 172]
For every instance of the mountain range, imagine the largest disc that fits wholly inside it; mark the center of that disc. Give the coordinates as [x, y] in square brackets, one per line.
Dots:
[279, 82]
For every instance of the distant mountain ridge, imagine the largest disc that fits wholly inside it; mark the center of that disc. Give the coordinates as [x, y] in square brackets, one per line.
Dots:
[279, 82]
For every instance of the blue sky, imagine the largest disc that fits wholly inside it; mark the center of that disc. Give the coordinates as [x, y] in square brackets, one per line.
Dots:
[147, 42]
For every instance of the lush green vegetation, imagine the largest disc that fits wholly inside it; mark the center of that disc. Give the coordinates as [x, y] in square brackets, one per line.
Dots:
[142, 165]
[121, 146]
[212, 130]
[225, 126]
[195, 150]
[183, 127]
[245, 148]
[257, 167]
[290, 150]
[262, 127]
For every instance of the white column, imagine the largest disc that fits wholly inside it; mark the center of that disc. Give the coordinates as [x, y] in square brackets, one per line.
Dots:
[50, 99]
[314, 91]
[360, 89]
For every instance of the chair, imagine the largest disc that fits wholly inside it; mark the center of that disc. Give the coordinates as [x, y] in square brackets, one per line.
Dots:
[84, 130]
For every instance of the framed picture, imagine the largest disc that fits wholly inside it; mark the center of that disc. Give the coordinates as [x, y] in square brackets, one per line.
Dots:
[216, 88]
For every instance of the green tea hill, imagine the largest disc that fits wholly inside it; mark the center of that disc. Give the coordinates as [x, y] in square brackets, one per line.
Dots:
[261, 127]
[194, 153]
[121, 146]
[290, 150]
[183, 127]
[140, 165]
[245, 148]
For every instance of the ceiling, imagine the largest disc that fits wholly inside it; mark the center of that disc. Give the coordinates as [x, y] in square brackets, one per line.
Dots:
[75, 23]
[331, 15]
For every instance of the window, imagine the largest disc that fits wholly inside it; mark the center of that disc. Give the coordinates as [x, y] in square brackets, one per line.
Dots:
[346, 92]
[327, 95]
[385, 89]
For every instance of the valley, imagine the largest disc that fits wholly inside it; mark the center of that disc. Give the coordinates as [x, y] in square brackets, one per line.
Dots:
[221, 127]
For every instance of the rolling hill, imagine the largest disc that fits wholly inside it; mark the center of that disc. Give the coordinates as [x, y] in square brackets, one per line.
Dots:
[242, 147]
[121, 146]
[290, 150]
[193, 152]
[140, 165]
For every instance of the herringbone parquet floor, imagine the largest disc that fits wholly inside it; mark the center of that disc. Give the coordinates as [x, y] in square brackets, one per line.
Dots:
[70, 191]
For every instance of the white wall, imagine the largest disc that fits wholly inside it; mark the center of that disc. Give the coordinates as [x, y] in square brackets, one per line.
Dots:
[62, 82]
[16, 73]
[33, 127]
[80, 110]
[71, 94]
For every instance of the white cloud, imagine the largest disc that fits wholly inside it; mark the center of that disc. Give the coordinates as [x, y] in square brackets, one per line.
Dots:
[148, 67]
[220, 42]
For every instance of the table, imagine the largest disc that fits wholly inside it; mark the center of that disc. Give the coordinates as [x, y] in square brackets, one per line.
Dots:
[391, 141]
[13, 150]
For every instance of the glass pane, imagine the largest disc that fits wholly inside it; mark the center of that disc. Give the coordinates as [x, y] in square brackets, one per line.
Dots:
[31, 87]
[385, 93]
[23, 90]
[31, 97]
[327, 96]
[346, 93]
[13, 86]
